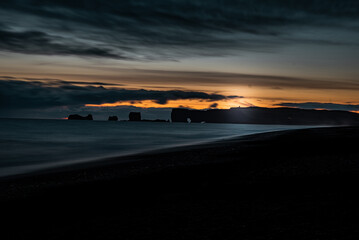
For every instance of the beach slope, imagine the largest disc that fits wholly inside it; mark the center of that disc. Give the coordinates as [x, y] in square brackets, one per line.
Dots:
[296, 184]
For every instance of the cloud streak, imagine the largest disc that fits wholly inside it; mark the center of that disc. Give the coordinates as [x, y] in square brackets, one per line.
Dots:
[152, 30]
[317, 105]
[36, 42]
[15, 94]
[196, 78]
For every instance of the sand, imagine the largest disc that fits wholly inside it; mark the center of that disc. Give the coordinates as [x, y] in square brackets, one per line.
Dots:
[297, 184]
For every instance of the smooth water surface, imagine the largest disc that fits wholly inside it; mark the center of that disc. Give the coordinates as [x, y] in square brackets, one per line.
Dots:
[28, 145]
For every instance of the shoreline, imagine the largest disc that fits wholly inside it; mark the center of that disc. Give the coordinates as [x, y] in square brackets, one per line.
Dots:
[294, 184]
[147, 161]
[51, 167]
[59, 144]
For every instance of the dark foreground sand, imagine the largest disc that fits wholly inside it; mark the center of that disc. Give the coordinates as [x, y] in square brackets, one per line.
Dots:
[299, 184]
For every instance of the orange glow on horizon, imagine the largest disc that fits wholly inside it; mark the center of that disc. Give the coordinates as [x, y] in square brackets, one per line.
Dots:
[193, 104]
[197, 104]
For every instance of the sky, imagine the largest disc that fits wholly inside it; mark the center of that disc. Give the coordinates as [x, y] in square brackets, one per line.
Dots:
[111, 57]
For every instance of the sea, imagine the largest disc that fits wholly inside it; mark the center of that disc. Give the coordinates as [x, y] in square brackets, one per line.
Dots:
[28, 145]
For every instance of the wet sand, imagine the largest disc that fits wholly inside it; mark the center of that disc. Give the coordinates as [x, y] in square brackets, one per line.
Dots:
[296, 184]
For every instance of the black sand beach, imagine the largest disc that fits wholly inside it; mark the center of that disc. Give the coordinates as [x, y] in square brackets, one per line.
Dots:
[297, 184]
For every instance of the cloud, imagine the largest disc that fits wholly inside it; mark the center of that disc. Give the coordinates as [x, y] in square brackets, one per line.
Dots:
[214, 105]
[317, 105]
[16, 94]
[35, 42]
[196, 78]
[54, 82]
[150, 30]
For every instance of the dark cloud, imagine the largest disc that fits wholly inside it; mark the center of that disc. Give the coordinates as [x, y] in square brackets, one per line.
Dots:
[167, 29]
[15, 94]
[317, 105]
[35, 42]
[53, 82]
[214, 105]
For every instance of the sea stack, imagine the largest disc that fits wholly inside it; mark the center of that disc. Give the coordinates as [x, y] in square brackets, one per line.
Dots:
[134, 116]
[78, 117]
[112, 118]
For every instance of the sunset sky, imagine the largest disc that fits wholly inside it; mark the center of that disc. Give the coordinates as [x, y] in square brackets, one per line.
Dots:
[111, 57]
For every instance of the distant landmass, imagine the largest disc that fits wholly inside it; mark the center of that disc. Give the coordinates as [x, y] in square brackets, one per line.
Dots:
[78, 117]
[257, 115]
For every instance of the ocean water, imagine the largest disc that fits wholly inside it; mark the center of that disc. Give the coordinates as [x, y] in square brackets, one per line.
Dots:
[30, 145]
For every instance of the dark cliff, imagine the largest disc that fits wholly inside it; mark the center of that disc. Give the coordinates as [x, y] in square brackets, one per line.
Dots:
[134, 116]
[257, 115]
[112, 118]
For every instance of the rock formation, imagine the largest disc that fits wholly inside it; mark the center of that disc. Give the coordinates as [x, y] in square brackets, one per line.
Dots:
[112, 118]
[134, 116]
